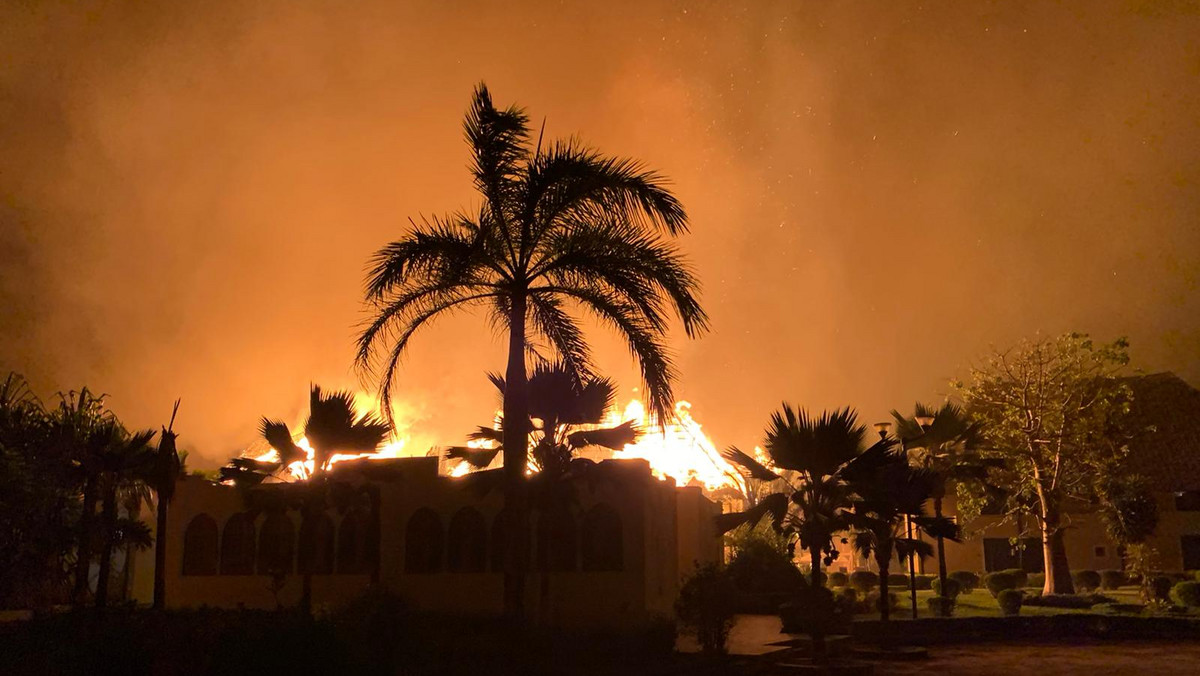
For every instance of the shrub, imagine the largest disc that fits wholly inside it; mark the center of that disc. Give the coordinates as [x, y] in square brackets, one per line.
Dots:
[864, 581]
[1074, 601]
[1010, 601]
[925, 581]
[940, 606]
[1186, 594]
[760, 568]
[1159, 588]
[1036, 580]
[952, 590]
[871, 602]
[1019, 576]
[897, 580]
[998, 582]
[706, 605]
[1111, 579]
[822, 578]
[838, 579]
[967, 581]
[1086, 580]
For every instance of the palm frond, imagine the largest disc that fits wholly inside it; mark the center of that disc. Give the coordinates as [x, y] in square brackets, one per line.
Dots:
[615, 438]
[756, 469]
[478, 458]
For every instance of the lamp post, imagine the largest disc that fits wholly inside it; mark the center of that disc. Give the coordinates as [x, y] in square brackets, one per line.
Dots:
[882, 428]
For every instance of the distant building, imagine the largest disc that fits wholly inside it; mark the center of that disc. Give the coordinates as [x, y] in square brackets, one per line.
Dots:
[615, 556]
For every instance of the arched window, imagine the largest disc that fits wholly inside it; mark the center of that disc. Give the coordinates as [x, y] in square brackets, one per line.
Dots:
[466, 548]
[557, 541]
[316, 545]
[237, 545]
[200, 546]
[352, 543]
[423, 542]
[603, 546]
[275, 544]
[502, 541]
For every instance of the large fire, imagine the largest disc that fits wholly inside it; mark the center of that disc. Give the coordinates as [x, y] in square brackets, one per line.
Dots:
[679, 451]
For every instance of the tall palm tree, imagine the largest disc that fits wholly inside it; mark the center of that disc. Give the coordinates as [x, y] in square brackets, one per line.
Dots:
[164, 474]
[124, 464]
[947, 445]
[560, 227]
[813, 499]
[334, 427]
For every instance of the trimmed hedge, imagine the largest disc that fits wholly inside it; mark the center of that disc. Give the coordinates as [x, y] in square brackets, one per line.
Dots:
[952, 590]
[838, 579]
[1072, 601]
[1160, 587]
[1018, 575]
[1111, 579]
[998, 582]
[1037, 580]
[925, 581]
[864, 581]
[967, 581]
[1186, 594]
[1010, 601]
[897, 580]
[1086, 580]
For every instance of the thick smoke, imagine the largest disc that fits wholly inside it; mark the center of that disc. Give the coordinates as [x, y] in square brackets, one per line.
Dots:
[879, 191]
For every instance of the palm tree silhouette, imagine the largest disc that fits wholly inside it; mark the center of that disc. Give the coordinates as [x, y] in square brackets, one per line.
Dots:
[949, 448]
[815, 451]
[162, 476]
[123, 465]
[559, 228]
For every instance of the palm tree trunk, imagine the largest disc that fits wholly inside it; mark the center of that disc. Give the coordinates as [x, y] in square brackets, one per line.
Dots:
[109, 528]
[941, 547]
[516, 444]
[884, 559]
[160, 555]
[817, 616]
[83, 560]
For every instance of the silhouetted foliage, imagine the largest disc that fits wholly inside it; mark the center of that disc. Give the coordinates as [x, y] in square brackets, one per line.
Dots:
[706, 605]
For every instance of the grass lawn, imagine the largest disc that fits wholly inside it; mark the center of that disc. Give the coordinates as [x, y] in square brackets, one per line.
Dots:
[979, 603]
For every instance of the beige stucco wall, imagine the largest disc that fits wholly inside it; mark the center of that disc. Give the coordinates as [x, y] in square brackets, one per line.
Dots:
[655, 541]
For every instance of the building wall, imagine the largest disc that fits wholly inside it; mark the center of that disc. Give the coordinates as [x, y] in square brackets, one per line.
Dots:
[655, 539]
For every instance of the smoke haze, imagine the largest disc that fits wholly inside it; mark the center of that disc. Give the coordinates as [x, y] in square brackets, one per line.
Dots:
[189, 192]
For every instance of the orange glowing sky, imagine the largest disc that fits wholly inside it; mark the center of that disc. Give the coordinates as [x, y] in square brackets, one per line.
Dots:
[878, 191]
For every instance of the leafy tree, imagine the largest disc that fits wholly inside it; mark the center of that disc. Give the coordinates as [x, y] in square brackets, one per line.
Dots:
[812, 503]
[948, 448]
[1053, 413]
[1130, 516]
[559, 227]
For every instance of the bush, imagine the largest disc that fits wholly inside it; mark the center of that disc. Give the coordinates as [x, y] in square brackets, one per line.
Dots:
[925, 581]
[1018, 575]
[1160, 588]
[998, 582]
[706, 606]
[1010, 601]
[760, 568]
[952, 590]
[1086, 580]
[838, 579]
[871, 604]
[967, 581]
[898, 580]
[864, 581]
[940, 606]
[1111, 579]
[1037, 580]
[1074, 601]
[1186, 594]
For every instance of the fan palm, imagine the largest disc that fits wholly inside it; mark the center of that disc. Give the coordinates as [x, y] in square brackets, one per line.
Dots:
[947, 447]
[559, 228]
[334, 427]
[123, 465]
[886, 490]
[814, 452]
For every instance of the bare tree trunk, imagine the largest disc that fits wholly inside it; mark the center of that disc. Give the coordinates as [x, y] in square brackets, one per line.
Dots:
[83, 560]
[1054, 553]
[160, 556]
[516, 444]
[109, 518]
[817, 615]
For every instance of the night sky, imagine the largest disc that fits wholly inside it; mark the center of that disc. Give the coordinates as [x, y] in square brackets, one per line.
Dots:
[879, 191]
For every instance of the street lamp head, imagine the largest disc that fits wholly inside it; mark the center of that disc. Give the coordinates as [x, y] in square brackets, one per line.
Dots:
[924, 420]
[882, 428]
